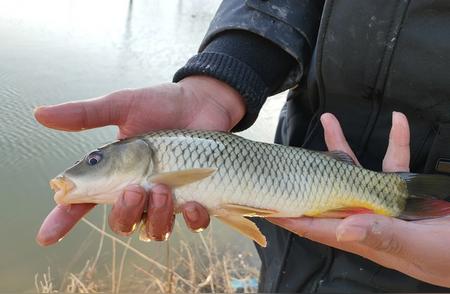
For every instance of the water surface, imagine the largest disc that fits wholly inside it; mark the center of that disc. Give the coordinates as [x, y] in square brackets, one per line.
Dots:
[57, 51]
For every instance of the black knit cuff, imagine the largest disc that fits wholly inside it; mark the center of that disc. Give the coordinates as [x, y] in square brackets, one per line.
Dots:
[236, 74]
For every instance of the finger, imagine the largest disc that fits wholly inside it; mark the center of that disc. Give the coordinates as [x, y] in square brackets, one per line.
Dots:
[387, 241]
[416, 249]
[321, 230]
[398, 153]
[331, 232]
[76, 116]
[160, 213]
[60, 221]
[334, 136]
[358, 234]
[127, 211]
[196, 216]
[380, 233]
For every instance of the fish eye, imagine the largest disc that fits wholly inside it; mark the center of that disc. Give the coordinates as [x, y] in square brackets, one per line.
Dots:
[94, 158]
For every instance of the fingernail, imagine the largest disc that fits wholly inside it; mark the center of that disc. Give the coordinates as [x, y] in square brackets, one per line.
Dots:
[43, 240]
[159, 199]
[132, 197]
[397, 116]
[160, 237]
[350, 234]
[192, 214]
[394, 116]
[125, 231]
[46, 237]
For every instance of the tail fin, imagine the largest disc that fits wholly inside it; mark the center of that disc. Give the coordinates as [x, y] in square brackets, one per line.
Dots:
[427, 194]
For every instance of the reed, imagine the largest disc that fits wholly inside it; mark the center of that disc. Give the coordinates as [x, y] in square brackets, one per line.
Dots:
[188, 269]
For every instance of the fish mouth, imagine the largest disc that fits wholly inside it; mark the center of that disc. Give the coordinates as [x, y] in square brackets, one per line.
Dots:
[62, 186]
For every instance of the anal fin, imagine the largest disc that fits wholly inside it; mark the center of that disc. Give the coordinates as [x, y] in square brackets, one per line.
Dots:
[244, 226]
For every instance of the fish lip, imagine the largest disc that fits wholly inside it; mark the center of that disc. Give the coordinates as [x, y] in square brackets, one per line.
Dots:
[62, 186]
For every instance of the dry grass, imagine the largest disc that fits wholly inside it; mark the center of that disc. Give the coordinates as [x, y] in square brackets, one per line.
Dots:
[187, 269]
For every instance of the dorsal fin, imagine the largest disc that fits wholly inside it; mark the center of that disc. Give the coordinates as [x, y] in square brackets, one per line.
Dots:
[340, 156]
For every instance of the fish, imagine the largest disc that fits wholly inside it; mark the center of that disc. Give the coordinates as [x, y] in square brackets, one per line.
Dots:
[235, 179]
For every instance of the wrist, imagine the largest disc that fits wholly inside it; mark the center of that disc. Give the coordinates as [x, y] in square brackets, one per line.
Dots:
[211, 92]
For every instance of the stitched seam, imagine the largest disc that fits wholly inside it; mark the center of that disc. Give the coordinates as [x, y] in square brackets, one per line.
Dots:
[274, 16]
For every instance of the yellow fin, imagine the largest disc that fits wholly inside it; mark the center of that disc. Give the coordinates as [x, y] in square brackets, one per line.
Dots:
[183, 177]
[244, 226]
[247, 210]
[341, 212]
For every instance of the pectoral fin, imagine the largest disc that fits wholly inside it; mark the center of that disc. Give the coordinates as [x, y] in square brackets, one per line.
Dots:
[183, 177]
[247, 210]
[244, 226]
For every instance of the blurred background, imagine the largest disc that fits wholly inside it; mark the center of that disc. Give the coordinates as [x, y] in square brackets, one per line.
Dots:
[57, 51]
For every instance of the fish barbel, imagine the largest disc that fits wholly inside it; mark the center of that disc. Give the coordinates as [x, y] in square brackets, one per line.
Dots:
[234, 177]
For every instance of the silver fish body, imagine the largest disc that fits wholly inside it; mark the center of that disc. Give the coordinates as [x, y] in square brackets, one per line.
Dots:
[234, 177]
[292, 181]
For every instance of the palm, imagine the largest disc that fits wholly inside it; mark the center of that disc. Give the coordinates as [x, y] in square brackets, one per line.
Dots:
[165, 107]
[416, 248]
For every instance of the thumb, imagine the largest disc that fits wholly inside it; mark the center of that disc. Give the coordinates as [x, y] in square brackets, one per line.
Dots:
[86, 114]
[381, 233]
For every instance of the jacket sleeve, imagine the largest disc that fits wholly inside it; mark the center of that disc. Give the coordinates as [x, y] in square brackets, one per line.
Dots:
[258, 47]
[290, 24]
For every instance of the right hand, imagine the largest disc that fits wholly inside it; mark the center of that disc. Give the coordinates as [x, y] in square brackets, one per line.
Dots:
[197, 102]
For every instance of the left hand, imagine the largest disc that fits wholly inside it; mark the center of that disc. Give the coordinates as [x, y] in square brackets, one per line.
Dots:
[197, 102]
[417, 248]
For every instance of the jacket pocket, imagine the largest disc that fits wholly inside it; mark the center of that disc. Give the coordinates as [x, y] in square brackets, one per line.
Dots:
[438, 157]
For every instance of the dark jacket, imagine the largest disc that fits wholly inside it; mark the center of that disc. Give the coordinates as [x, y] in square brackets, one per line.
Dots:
[359, 59]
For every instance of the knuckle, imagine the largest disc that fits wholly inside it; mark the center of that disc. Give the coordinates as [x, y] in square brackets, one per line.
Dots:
[121, 94]
[307, 230]
[415, 266]
[383, 239]
[389, 245]
[84, 117]
[304, 234]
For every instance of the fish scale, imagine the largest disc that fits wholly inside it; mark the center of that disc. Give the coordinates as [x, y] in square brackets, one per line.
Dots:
[289, 180]
[234, 177]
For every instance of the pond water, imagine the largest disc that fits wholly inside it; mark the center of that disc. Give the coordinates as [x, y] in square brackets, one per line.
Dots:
[57, 51]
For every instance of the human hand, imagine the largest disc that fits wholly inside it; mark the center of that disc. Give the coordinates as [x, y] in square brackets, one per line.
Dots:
[416, 248]
[197, 102]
